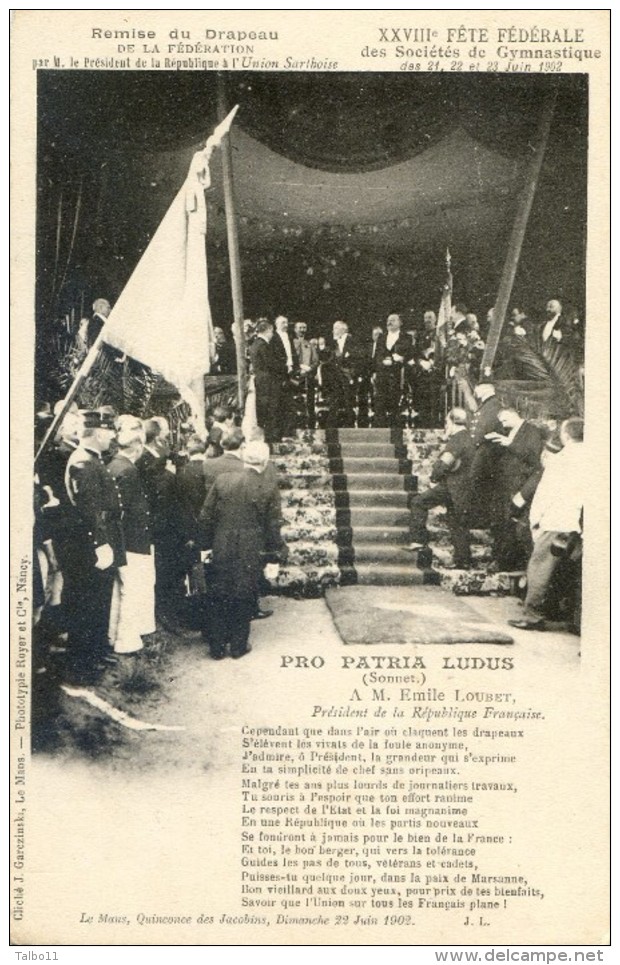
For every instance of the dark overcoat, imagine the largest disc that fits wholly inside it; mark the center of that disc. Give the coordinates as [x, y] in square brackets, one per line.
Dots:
[242, 515]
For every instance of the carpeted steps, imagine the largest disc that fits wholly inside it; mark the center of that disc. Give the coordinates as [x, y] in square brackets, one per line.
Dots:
[374, 472]
[372, 481]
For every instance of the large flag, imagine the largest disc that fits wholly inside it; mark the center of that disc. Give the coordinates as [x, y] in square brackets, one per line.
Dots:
[163, 317]
[444, 313]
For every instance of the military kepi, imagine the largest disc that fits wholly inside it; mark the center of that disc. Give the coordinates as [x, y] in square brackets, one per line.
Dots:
[98, 418]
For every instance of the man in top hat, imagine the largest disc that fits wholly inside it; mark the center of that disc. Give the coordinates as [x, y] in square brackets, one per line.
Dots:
[96, 550]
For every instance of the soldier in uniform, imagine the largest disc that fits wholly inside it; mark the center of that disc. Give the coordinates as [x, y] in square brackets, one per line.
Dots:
[96, 549]
[450, 482]
[132, 614]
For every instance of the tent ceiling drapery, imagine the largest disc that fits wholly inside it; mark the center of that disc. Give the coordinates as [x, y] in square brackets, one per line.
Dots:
[331, 121]
[388, 164]
[457, 168]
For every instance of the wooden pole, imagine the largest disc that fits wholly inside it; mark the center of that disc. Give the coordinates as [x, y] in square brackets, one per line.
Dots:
[85, 368]
[233, 246]
[518, 234]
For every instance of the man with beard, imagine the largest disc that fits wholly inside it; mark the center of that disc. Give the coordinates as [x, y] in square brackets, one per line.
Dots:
[394, 352]
[338, 376]
[306, 358]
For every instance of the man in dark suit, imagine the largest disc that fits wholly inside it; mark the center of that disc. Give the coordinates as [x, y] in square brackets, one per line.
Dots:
[485, 467]
[225, 360]
[284, 354]
[267, 369]
[425, 376]
[520, 444]
[95, 551]
[132, 614]
[519, 324]
[191, 492]
[555, 327]
[191, 485]
[339, 376]
[159, 485]
[306, 363]
[229, 461]
[450, 479]
[365, 384]
[242, 528]
[394, 352]
[459, 319]
[89, 329]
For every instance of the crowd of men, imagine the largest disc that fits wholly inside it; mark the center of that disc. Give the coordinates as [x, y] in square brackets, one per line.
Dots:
[397, 377]
[499, 472]
[126, 530]
[124, 537]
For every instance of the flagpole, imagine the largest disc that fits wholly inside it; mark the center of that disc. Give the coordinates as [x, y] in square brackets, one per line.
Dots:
[518, 234]
[233, 246]
[78, 381]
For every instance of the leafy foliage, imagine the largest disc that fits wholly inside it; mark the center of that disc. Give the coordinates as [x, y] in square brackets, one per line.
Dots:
[552, 365]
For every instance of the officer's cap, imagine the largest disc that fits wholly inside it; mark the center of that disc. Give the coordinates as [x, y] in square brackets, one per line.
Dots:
[103, 418]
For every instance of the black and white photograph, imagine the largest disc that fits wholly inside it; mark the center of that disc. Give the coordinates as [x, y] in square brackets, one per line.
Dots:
[311, 495]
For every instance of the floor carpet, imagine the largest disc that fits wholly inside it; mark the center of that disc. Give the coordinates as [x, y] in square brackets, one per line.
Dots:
[416, 614]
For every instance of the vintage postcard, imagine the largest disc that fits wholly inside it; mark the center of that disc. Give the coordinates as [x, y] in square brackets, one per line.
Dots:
[309, 575]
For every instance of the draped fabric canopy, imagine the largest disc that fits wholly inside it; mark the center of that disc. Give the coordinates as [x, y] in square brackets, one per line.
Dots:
[334, 122]
[349, 186]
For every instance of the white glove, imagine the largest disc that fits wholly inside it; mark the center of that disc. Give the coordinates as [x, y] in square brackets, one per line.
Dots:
[105, 556]
[557, 335]
[398, 358]
[52, 502]
[387, 361]
[206, 556]
[271, 571]
[519, 330]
